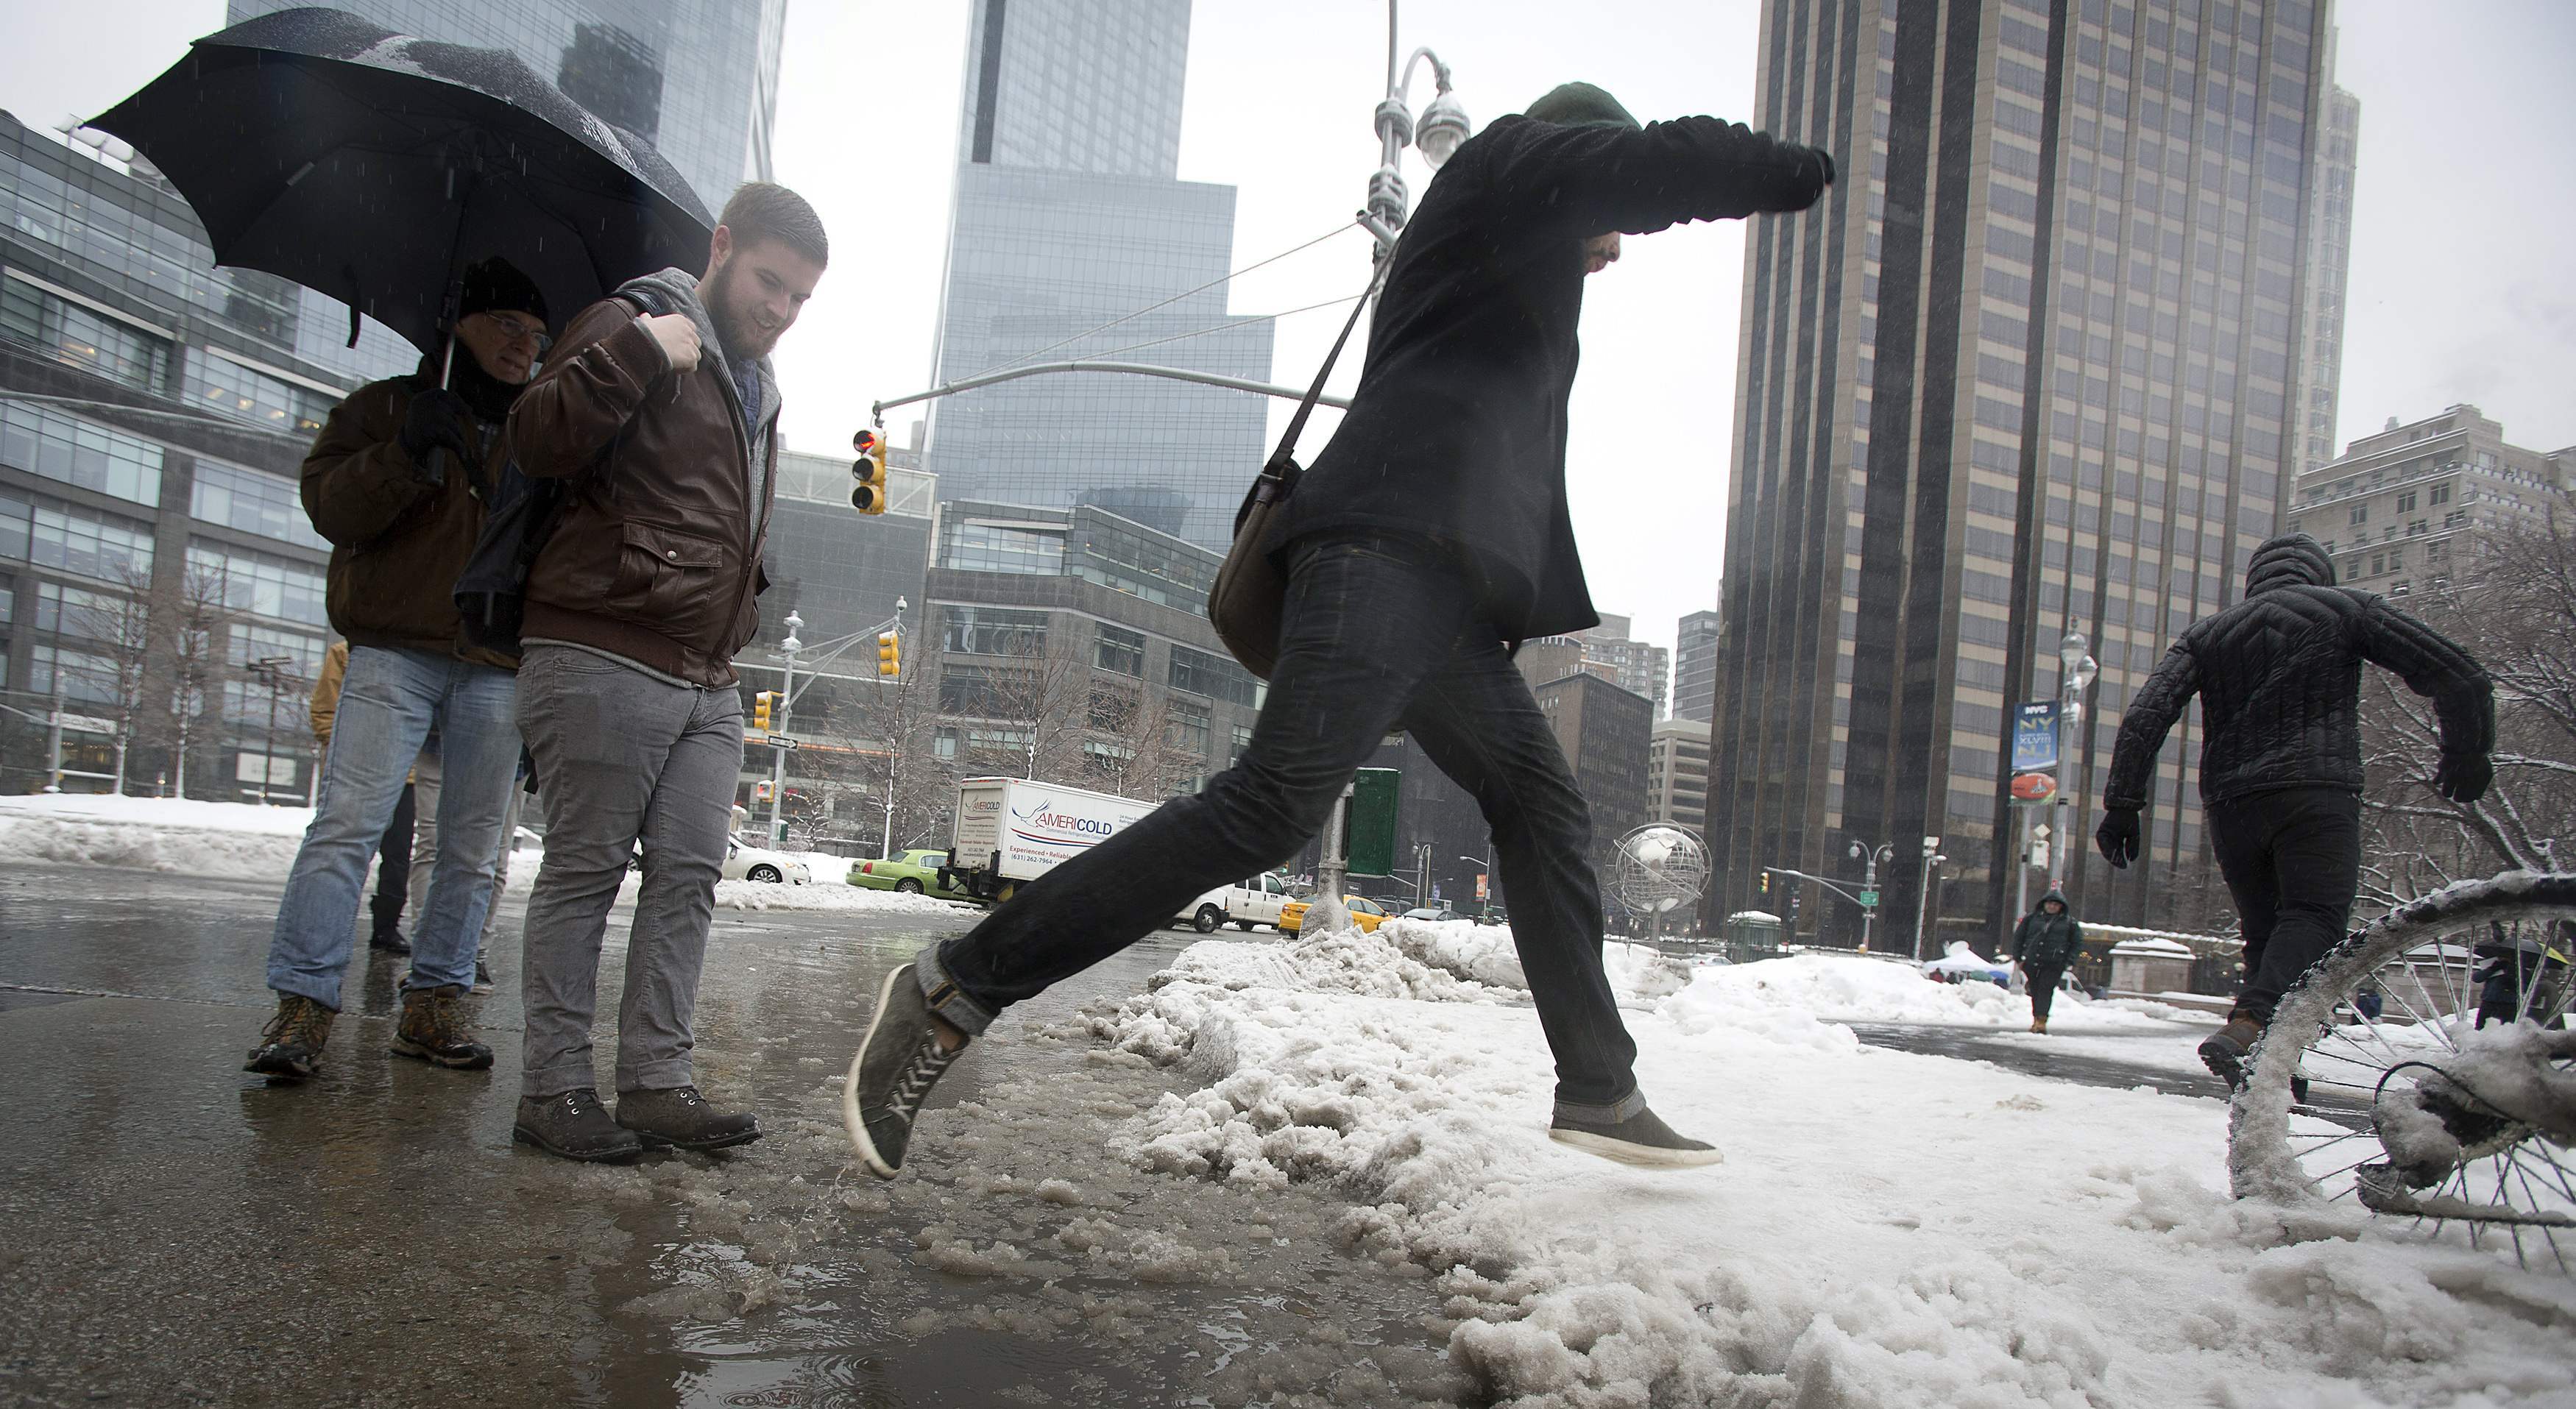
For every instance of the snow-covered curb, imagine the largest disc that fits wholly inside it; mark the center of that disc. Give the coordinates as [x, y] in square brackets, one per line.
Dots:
[1888, 1229]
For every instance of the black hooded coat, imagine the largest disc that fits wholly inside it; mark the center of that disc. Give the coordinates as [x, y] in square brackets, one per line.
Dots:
[2279, 680]
[2046, 941]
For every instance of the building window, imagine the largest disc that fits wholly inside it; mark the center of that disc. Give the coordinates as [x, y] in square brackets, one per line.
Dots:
[84, 541]
[978, 547]
[979, 690]
[85, 679]
[78, 337]
[993, 631]
[2361, 513]
[2416, 528]
[1214, 676]
[1185, 728]
[247, 394]
[2378, 564]
[1121, 651]
[263, 585]
[1242, 744]
[2455, 518]
[2406, 502]
[43, 441]
[2438, 494]
[271, 506]
[1111, 707]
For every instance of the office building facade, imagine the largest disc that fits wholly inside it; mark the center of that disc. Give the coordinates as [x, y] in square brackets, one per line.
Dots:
[1607, 734]
[2029, 369]
[1636, 666]
[1677, 773]
[2396, 509]
[157, 573]
[1695, 651]
[2320, 395]
[1068, 216]
[699, 81]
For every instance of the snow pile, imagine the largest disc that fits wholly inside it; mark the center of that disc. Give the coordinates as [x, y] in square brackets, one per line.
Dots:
[1887, 1229]
[824, 894]
[153, 834]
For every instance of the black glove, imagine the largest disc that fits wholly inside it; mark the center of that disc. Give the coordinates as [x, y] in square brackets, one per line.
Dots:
[2463, 777]
[436, 421]
[2118, 836]
[1825, 159]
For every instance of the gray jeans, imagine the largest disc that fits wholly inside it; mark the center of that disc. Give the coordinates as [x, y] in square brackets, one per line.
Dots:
[424, 842]
[622, 758]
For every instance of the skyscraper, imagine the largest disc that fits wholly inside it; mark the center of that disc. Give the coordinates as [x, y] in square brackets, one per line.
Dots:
[1069, 216]
[1695, 666]
[2030, 369]
[2329, 257]
[699, 81]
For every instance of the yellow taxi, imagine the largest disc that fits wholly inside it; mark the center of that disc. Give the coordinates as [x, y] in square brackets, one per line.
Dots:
[1367, 912]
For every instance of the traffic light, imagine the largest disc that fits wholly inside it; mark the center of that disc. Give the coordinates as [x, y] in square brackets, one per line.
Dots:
[869, 497]
[1766, 883]
[760, 790]
[760, 709]
[889, 654]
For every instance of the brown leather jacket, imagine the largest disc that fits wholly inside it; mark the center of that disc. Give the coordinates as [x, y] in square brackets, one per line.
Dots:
[396, 543]
[656, 552]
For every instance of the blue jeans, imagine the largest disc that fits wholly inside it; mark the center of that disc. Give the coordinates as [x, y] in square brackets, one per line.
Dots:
[389, 702]
[1381, 631]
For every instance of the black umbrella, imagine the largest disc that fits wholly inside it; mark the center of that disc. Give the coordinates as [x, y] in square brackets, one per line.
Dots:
[373, 167]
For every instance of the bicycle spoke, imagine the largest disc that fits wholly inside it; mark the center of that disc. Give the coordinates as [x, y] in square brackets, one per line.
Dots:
[2331, 1173]
[2565, 1184]
[2546, 1233]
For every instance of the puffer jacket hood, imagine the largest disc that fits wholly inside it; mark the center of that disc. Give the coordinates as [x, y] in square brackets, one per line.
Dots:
[2293, 559]
[2058, 896]
[2047, 941]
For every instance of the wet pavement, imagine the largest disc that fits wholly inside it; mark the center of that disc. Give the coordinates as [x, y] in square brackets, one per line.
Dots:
[2039, 1059]
[179, 1232]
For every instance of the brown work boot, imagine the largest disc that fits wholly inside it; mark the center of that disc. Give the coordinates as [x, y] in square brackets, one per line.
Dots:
[679, 1117]
[433, 1029]
[2039, 1025]
[2223, 1051]
[290, 1047]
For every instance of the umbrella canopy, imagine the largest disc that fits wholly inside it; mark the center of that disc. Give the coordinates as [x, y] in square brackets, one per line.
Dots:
[373, 167]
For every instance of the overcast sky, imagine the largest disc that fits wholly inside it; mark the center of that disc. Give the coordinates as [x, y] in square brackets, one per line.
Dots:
[2460, 289]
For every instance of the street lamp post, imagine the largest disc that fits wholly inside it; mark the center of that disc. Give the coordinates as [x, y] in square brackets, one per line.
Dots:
[1443, 128]
[895, 745]
[1932, 859]
[2075, 675]
[1871, 858]
[1421, 874]
[1485, 882]
[778, 725]
[270, 671]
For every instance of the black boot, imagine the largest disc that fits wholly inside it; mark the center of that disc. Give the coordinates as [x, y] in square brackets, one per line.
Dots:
[678, 1117]
[575, 1126]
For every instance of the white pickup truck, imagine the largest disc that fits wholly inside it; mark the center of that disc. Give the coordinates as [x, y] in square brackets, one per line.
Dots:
[1255, 902]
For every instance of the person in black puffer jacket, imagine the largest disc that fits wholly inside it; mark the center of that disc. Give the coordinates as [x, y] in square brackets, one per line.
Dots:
[2279, 677]
[2046, 941]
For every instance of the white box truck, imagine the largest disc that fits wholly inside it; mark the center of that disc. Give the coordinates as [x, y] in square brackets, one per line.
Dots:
[1010, 831]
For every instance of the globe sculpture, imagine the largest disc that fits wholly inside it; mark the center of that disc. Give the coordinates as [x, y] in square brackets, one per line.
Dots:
[1659, 868]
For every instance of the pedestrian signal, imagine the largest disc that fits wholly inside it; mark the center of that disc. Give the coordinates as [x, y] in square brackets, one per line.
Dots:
[760, 708]
[889, 653]
[869, 497]
[760, 790]
[1766, 883]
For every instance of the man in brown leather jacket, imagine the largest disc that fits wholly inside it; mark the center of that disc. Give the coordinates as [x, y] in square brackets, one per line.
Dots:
[395, 482]
[661, 416]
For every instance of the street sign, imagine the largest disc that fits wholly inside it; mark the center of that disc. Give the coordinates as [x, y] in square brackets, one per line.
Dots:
[1868, 898]
[85, 723]
[776, 741]
[1371, 838]
[2034, 738]
[1480, 885]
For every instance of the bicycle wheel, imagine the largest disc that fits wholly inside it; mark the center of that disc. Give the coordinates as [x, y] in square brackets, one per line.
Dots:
[2457, 1102]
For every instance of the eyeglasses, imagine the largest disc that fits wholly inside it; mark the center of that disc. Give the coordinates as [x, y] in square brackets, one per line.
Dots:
[521, 330]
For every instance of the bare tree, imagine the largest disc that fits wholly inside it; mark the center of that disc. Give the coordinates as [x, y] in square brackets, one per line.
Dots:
[891, 729]
[1131, 749]
[121, 630]
[2511, 603]
[199, 611]
[1035, 709]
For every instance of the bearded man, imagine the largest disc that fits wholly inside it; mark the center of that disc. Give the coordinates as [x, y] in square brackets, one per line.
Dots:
[660, 412]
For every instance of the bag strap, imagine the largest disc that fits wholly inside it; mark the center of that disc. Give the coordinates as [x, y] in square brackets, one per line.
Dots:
[1297, 423]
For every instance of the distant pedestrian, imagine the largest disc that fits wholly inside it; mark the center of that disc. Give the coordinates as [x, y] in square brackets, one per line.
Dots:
[429, 778]
[392, 482]
[2279, 680]
[661, 414]
[2045, 942]
[393, 850]
[1430, 538]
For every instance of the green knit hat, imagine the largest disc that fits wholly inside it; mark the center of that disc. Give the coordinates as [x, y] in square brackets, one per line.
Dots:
[1578, 105]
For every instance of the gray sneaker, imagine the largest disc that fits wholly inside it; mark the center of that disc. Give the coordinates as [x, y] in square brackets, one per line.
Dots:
[575, 1126]
[897, 1063]
[678, 1117]
[1641, 1139]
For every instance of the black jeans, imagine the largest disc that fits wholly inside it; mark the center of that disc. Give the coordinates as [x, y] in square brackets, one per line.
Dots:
[1380, 631]
[393, 869]
[2292, 859]
[2042, 983]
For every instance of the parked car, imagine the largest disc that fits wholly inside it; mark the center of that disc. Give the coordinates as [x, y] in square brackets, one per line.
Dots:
[1257, 901]
[914, 871]
[1433, 912]
[759, 863]
[1367, 913]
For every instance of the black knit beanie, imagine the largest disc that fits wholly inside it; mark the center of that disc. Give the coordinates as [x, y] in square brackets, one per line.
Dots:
[1580, 104]
[495, 285]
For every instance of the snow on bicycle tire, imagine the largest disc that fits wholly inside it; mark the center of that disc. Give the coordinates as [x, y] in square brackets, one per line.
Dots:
[2454, 1103]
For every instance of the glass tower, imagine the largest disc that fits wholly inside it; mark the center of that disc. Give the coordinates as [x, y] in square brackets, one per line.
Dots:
[2030, 369]
[697, 78]
[1068, 216]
